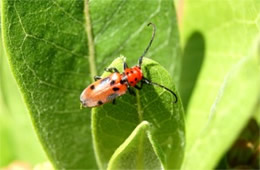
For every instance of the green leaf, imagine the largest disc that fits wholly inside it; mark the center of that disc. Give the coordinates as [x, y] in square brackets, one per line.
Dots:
[112, 124]
[136, 152]
[53, 61]
[47, 57]
[227, 86]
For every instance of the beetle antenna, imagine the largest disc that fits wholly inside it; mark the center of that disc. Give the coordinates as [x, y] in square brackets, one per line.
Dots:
[149, 45]
[156, 84]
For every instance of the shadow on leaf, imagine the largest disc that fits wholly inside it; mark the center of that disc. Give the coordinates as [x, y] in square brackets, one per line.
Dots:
[192, 59]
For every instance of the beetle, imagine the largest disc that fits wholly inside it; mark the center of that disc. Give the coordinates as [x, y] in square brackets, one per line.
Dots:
[107, 89]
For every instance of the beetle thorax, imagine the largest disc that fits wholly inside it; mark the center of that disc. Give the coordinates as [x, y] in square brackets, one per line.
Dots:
[134, 75]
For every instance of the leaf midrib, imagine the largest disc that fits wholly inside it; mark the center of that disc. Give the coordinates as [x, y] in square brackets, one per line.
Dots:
[139, 156]
[91, 45]
[139, 108]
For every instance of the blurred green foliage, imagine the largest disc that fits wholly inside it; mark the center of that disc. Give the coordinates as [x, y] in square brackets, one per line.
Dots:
[18, 140]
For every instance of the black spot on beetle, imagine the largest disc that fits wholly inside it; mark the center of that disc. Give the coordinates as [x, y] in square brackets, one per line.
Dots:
[115, 88]
[135, 79]
[112, 82]
[99, 102]
[127, 73]
[132, 72]
[131, 82]
[123, 80]
[92, 87]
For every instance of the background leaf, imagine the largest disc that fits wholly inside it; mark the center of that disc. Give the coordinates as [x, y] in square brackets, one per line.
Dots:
[48, 50]
[112, 124]
[257, 112]
[227, 86]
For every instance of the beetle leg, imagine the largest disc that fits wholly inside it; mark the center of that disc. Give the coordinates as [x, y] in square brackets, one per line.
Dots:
[131, 91]
[139, 88]
[125, 65]
[114, 101]
[112, 70]
[97, 78]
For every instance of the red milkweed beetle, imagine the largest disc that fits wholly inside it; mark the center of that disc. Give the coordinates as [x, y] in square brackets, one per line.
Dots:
[106, 89]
